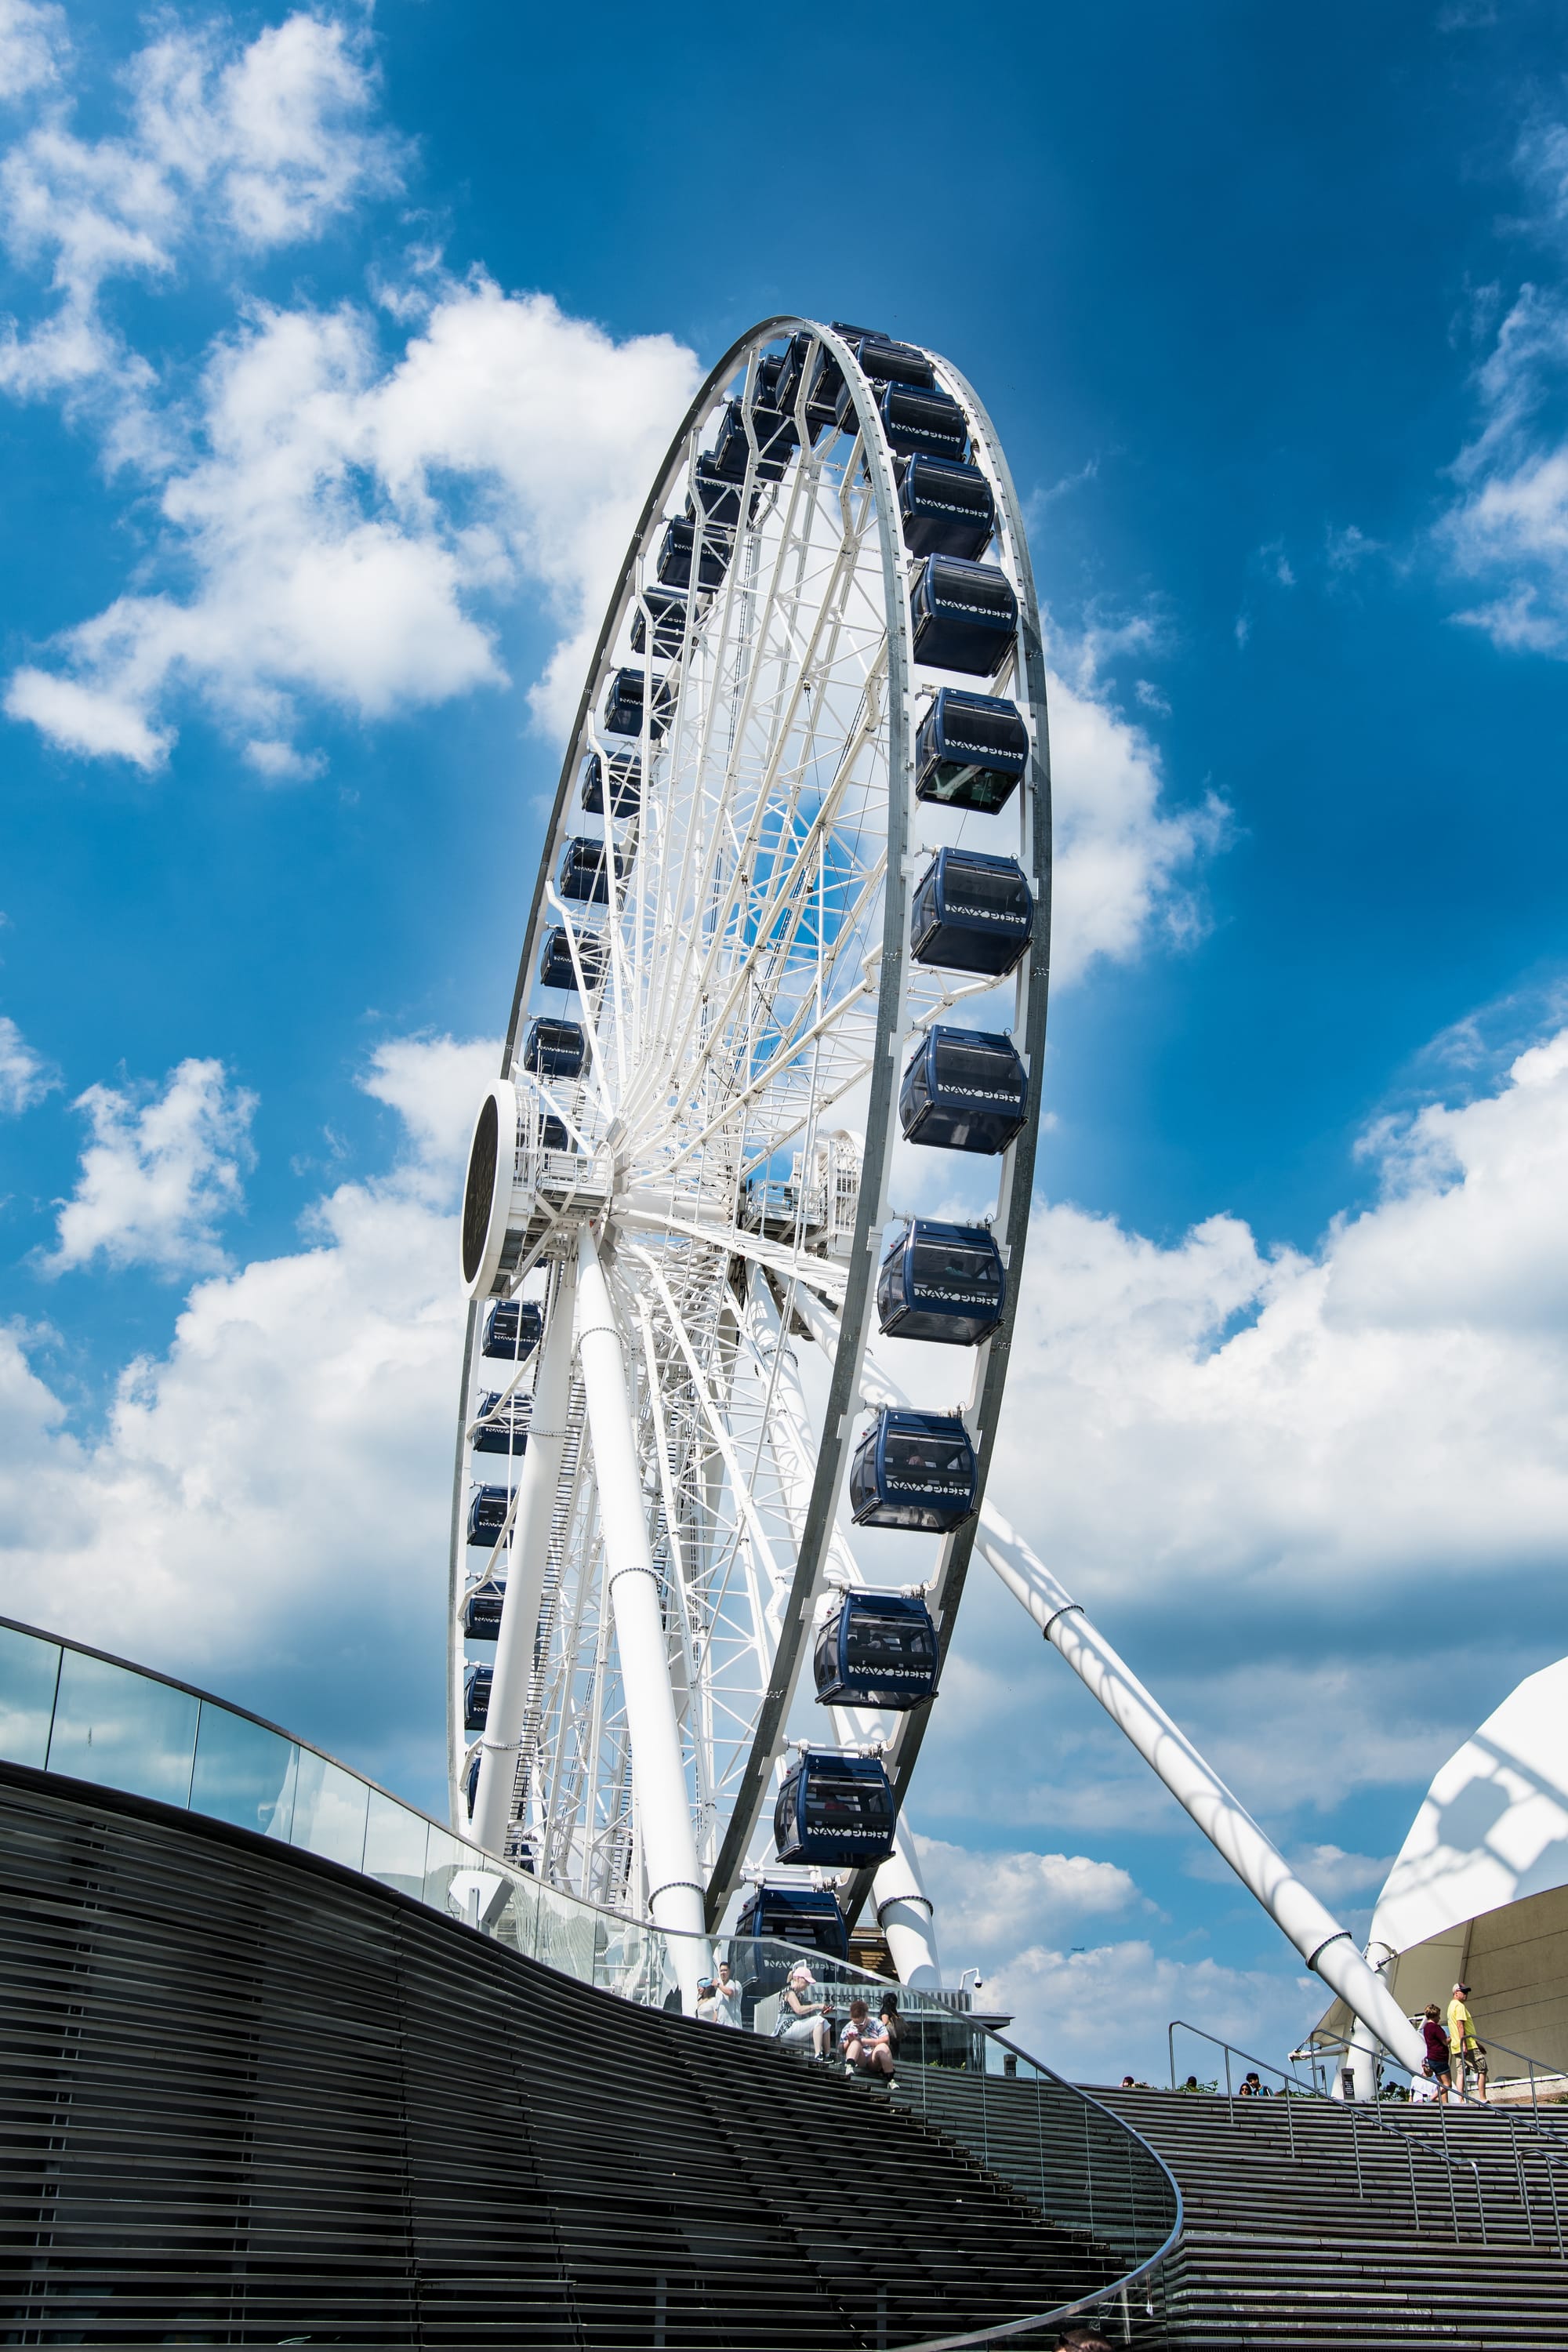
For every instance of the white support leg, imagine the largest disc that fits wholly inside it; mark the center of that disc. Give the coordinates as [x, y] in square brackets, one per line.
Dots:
[1324, 1944]
[904, 1914]
[525, 1571]
[658, 1774]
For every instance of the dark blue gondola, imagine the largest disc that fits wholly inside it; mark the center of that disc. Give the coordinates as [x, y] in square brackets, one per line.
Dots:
[776, 443]
[554, 1049]
[946, 510]
[677, 548]
[969, 751]
[624, 699]
[508, 1432]
[878, 1649]
[913, 1470]
[885, 363]
[481, 1611]
[554, 1135]
[717, 500]
[922, 424]
[964, 1090]
[965, 615]
[488, 1515]
[827, 378]
[556, 968]
[626, 784]
[972, 913]
[795, 1914]
[945, 1283]
[472, 1787]
[514, 1329]
[668, 607]
[833, 1808]
[582, 870]
[477, 1684]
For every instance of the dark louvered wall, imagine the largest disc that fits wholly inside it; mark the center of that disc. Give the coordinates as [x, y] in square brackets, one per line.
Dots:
[246, 2098]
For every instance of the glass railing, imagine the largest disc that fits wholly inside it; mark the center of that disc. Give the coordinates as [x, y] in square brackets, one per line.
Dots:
[67, 1709]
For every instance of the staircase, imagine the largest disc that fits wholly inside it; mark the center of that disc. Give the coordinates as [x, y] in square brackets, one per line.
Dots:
[250, 2096]
[1309, 2223]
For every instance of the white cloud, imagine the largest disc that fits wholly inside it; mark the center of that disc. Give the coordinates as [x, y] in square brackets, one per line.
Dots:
[25, 1077]
[161, 1173]
[257, 147]
[1123, 861]
[349, 515]
[1507, 528]
[996, 1902]
[266, 1509]
[1203, 1414]
[33, 41]
[1104, 2012]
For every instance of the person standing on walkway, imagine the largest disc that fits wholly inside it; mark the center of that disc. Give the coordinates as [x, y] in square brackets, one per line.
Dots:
[1434, 2034]
[1461, 2037]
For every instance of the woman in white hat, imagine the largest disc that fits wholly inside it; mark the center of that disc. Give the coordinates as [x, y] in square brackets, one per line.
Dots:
[803, 2012]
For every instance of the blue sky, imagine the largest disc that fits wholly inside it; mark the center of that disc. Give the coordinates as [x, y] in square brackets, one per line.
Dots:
[340, 349]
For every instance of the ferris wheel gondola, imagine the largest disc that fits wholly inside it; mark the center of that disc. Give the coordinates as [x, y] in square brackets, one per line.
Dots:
[790, 920]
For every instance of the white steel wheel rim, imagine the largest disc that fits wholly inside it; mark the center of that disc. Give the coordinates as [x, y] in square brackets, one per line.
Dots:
[759, 980]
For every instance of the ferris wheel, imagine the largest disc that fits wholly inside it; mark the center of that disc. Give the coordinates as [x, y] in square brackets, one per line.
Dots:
[726, 1414]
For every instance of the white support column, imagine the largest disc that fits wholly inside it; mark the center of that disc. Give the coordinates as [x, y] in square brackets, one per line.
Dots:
[525, 1572]
[904, 1914]
[1324, 1944]
[659, 1775]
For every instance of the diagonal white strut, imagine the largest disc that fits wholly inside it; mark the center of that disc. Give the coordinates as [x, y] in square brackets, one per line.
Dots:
[1324, 1944]
[1326, 1947]
[663, 1803]
[536, 1488]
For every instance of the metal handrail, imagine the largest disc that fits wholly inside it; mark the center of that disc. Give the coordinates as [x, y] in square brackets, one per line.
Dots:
[1118, 2288]
[1359, 2109]
[1549, 2148]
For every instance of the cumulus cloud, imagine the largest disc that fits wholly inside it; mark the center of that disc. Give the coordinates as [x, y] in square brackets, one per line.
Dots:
[25, 1077]
[350, 513]
[266, 1506]
[1123, 859]
[1000, 1902]
[161, 1173]
[1103, 2013]
[1388, 1407]
[258, 146]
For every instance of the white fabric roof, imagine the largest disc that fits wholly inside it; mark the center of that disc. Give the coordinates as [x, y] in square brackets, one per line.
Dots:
[1494, 1824]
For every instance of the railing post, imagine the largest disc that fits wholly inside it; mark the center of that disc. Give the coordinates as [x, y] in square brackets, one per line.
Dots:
[1171, 2050]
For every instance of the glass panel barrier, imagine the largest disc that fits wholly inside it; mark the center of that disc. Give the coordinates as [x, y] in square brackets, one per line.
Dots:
[244, 1773]
[330, 1807]
[122, 1729]
[29, 1672]
[443, 1860]
[395, 1846]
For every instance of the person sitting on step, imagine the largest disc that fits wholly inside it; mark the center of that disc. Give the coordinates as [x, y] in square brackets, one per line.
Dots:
[803, 2012]
[866, 2050]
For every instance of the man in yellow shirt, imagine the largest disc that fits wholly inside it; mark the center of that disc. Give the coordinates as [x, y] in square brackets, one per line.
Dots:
[1462, 2046]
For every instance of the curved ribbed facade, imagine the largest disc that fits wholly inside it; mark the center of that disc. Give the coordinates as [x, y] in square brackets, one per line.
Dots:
[247, 2096]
